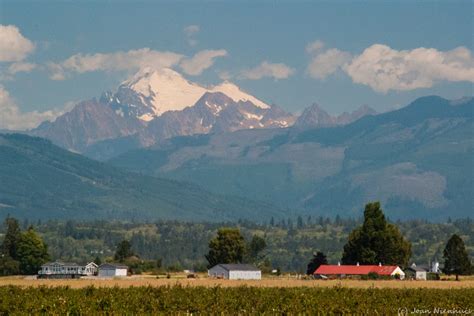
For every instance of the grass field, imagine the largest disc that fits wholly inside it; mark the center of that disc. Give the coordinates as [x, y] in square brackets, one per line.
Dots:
[207, 282]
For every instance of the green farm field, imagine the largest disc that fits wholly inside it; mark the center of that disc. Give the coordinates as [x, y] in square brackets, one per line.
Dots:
[237, 300]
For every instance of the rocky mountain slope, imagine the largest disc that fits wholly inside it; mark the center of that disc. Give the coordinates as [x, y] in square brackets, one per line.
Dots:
[315, 117]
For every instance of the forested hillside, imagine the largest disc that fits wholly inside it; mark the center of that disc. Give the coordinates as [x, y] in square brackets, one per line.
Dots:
[42, 181]
[290, 243]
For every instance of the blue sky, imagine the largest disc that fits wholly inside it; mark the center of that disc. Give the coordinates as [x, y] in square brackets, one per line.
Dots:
[427, 45]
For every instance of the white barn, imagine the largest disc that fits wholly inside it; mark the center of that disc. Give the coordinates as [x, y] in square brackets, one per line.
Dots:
[112, 270]
[235, 272]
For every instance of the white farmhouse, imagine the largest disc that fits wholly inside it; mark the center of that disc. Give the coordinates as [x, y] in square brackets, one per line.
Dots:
[112, 270]
[235, 272]
[67, 270]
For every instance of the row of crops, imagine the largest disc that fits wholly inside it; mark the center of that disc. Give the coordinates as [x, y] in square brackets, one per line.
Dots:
[233, 301]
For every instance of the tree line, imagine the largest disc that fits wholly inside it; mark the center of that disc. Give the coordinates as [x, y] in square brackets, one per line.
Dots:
[374, 242]
[289, 244]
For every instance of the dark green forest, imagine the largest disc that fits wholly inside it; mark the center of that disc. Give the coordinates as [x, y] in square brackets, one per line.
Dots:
[181, 245]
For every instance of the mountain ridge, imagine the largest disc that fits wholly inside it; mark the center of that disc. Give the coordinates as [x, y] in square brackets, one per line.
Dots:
[413, 159]
[142, 105]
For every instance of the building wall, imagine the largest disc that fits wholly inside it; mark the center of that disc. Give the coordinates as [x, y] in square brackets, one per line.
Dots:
[245, 275]
[399, 272]
[112, 272]
[218, 272]
[420, 275]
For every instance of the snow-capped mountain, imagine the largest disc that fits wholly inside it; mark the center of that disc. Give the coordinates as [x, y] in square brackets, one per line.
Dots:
[158, 104]
[214, 112]
[150, 93]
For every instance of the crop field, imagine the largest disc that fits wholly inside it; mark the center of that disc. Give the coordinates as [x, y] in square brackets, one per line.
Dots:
[177, 299]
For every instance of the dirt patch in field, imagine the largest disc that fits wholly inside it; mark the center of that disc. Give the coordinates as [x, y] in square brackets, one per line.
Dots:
[281, 282]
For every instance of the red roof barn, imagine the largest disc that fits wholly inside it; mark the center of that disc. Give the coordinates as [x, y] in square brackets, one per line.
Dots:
[359, 270]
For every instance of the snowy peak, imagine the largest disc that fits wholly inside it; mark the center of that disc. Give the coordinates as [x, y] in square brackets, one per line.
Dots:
[234, 92]
[166, 90]
[215, 102]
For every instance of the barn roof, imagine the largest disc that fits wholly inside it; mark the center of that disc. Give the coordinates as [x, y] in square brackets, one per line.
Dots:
[112, 266]
[417, 269]
[238, 267]
[60, 263]
[355, 270]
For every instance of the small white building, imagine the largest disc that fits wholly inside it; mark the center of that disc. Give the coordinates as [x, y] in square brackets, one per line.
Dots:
[67, 270]
[235, 272]
[418, 273]
[112, 270]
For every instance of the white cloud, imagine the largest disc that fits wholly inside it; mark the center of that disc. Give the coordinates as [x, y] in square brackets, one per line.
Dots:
[201, 61]
[13, 45]
[314, 47]
[190, 31]
[266, 69]
[21, 67]
[8, 73]
[12, 118]
[119, 61]
[224, 75]
[383, 68]
[328, 62]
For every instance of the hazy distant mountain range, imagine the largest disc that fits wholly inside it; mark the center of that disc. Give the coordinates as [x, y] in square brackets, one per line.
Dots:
[156, 105]
[417, 160]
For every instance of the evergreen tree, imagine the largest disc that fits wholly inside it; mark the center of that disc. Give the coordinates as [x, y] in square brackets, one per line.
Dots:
[376, 241]
[227, 247]
[124, 251]
[255, 248]
[318, 259]
[32, 252]
[12, 238]
[456, 259]
[8, 266]
[97, 261]
[299, 222]
[272, 222]
[69, 229]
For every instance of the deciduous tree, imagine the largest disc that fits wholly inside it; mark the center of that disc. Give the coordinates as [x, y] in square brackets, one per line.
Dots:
[227, 247]
[32, 252]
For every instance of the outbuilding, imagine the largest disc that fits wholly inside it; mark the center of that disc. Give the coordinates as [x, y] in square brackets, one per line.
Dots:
[235, 272]
[112, 270]
[417, 273]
